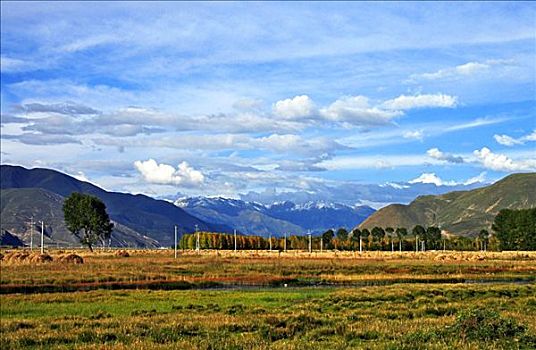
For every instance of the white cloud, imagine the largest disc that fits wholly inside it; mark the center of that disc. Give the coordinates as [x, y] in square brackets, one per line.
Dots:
[357, 110]
[294, 108]
[248, 104]
[435, 153]
[165, 174]
[417, 135]
[405, 102]
[13, 65]
[530, 137]
[506, 140]
[375, 161]
[281, 143]
[431, 178]
[476, 179]
[509, 141]
[462, 70]
[500, 162]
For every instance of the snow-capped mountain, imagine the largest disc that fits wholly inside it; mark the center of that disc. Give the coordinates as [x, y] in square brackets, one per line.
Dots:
[277, 218]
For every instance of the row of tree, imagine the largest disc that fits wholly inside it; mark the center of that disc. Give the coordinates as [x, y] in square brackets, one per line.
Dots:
[401, 239]
[379, 238]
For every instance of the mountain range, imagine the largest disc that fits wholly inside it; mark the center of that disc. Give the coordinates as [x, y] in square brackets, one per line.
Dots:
[460, 212]
[277, 218]
[147, 222]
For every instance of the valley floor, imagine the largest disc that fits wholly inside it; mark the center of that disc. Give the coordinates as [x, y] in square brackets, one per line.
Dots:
[261, 300]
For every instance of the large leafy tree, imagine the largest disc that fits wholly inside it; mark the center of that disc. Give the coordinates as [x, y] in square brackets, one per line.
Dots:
[418, 230]
[86, 217]
[516, 229]
[327, 237]
[433, 236]
[342, 234]
[401, 233]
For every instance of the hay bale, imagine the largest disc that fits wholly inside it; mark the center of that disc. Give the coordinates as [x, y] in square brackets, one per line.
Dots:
[16, 257]
[440, 257]
[122, 254]
[40, 258]
[71, 259]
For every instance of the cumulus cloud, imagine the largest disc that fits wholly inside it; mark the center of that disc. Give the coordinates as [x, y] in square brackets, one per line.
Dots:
[509, 141]
[357, 110]
[506, 140]
[435, 153]
[431, 178]
[405, 102]
[480, 178]
[164, 174]
[294, 108]
[500, 162]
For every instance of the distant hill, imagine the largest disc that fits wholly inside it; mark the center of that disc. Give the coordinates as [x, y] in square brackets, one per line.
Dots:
[138, 213]
[18, 205]
[462, 212]
[278, 218]
[7, 239]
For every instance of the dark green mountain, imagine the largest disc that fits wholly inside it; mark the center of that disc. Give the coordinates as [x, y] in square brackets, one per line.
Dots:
[20, 205]
[139, 213]
[461, 212]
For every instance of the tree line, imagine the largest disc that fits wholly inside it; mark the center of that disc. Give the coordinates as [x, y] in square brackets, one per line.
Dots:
[376, 239]
[86, 217]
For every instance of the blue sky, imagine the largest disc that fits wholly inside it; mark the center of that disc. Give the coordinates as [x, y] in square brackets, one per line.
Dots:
[227, 98]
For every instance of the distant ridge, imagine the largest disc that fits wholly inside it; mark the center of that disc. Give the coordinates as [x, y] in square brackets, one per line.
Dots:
[278, 218]
[461, 212]
[141, 214]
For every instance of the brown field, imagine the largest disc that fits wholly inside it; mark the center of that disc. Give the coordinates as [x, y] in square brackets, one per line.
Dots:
[268, 300]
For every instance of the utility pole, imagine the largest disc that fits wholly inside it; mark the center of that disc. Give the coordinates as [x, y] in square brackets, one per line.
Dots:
[416, 243]
[235, 240]
[175, 241]
[42, 237]
[310, 242]
[270, 242]
[285, 243]
[423, 247]
[360, 244]
[197, 246]
[31, 233]
[321, 244]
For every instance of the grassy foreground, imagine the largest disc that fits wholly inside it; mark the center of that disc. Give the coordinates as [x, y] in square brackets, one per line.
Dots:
[409, 315]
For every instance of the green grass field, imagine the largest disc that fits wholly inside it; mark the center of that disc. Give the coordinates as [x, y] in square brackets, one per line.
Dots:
[408, 315]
